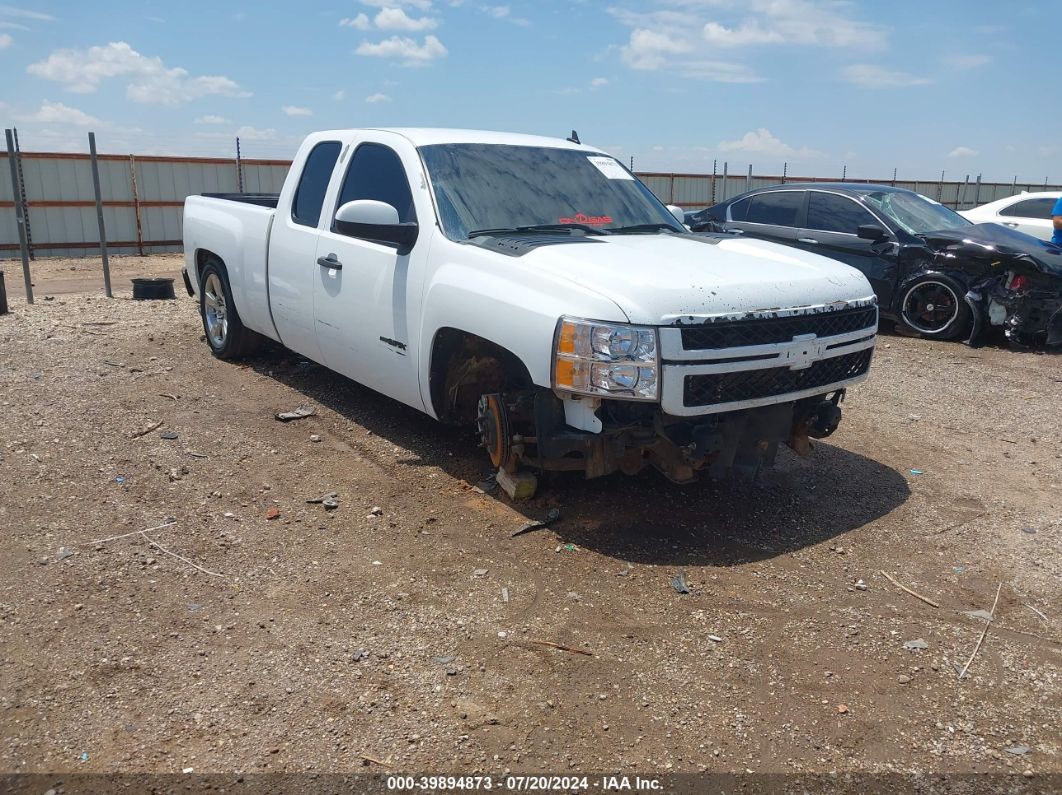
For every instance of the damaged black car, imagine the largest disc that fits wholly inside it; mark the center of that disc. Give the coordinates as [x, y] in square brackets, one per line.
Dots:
[933, 271]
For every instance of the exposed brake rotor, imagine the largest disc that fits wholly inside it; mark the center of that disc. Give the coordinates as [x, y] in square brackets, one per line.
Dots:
[495, 434]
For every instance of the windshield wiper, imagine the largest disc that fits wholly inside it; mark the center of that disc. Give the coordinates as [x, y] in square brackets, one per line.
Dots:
[636, 229]
[536, 228]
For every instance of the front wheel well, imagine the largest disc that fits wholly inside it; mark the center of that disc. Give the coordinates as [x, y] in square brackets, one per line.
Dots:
[464, 367]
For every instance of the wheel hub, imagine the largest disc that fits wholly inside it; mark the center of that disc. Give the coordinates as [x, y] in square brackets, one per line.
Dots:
[492, 419]
[215, 312]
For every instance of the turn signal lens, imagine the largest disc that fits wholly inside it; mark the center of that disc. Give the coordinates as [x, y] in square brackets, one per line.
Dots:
[606, 359]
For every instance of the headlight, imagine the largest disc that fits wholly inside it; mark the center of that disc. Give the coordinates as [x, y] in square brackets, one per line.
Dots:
[605, 359]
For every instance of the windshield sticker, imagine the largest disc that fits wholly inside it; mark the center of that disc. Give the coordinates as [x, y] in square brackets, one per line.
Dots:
[589, 220]
[610, 168]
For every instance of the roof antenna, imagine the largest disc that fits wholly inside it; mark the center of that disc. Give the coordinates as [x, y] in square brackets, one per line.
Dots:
[574, 138]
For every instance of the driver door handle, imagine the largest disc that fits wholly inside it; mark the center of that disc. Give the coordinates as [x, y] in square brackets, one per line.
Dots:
[811, 240]
[331, 262]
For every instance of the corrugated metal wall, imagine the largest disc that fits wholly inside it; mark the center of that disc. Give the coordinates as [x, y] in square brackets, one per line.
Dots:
[143, 197]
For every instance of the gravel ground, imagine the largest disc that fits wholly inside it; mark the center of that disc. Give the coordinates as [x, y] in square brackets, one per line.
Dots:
[401, 631]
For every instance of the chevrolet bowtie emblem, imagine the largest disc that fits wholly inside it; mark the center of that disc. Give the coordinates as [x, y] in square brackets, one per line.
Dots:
[803, 351]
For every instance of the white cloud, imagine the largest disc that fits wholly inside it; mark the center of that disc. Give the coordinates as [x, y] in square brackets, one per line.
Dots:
[340, 95]
[686, 36]
[375, 98]
[397, 19]
[498, 12]
[58, 113]
[599, 82]
[150, 80]
[963, 151]
[211, 120]
[5, 41]
[763, 142]
[870, 76]
[360, 22]
[22, 13]
[248, 133]
[964, 62]
[420, 5]
[295, 110]
[407, 49]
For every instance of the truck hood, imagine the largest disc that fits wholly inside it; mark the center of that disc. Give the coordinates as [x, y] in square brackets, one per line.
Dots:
[663, 279]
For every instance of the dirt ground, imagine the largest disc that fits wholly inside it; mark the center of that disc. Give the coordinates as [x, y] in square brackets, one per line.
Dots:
[401, 631]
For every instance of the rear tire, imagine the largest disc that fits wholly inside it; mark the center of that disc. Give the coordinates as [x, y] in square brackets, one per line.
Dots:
[225, 333]
[934, 306]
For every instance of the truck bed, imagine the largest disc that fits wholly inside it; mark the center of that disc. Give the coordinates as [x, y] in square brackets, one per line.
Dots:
[261, 199]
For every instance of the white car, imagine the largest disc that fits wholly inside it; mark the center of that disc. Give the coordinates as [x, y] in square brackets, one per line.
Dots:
[535, 288]
[1027, 212]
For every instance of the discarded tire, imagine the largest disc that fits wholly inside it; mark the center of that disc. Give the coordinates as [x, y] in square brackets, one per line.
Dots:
[155, 289]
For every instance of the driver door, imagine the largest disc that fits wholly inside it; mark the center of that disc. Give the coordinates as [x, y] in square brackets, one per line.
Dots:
[362, 287]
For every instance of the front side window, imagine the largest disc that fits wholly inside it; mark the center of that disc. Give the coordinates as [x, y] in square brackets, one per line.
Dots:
[377, 173]
[777, 208]
[828, 212]
[1030, 208]
[739, 210]
[501, 187]
[313, 184]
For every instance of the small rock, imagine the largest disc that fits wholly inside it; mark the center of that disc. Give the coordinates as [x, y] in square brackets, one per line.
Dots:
[314, 437]
[984, 615]
[273, 513]
[479, 573]
[918, 643]
[168, 435]
[1018, 750]
[1029, 530]
[376, 511]
[715, 639]
[679, 583]
[903, 679]
[860, 585]
[445, 659]
[842, 709]
[64, 553]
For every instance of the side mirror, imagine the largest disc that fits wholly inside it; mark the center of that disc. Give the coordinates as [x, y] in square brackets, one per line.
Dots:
[678, 212]
[377, 221]
[871, 232]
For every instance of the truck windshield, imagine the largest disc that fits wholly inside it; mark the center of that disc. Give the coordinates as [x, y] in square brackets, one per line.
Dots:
[914, 213]
[498, 187]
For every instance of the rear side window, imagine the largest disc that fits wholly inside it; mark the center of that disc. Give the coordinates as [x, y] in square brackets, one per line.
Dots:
[309, 195]
[375, 172]
[1030, 208]
[828, 212]
[739, 209]
[778, 208]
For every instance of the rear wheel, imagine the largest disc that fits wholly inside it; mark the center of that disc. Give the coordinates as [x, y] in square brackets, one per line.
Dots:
[935, 307]
[226, 335]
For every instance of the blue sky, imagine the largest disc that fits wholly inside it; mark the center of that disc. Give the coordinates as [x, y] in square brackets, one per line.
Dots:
[963, 86]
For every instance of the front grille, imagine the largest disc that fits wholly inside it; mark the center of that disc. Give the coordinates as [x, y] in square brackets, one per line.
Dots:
[712, 388]
[768, 331]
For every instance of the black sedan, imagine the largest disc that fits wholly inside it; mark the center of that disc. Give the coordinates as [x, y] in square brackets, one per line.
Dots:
[932, 270]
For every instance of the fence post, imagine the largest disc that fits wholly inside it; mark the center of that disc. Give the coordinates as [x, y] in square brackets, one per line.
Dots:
[19, 217]
[962, 196]
[99, 216]
[724, 180]
[940, 187]
[239, 167]
[977, 191]
[748, 179]
[671, 190]
[136, 204]
[714, 162]
[785, 171]
[844, 172]
[22, 194]
[1014, 185]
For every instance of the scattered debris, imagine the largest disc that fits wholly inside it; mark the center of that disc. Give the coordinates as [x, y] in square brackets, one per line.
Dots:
[1036, 611]
[168, 435]
[715, 639]
[916, 595]
[984, 615]
[64, 553]
[329, 501]
[146, 431]
[917, 643]
[169, 395]
[445, 659]
[519, 486]
[903, 679]
[360, 655]
[860, 585]
[273, 513]
[488, 485]
[552, 516]
[917, 472]
[1029, 530]
[679, 583]
[314, 437]
[842, 709]
[374, 760]
[188, 770]
[120, 479]
[376, 511]
[295, 414]
[626, 571]
[984, 632]
[196, 455]
[1018, 750]
[479, 573]
[562, 647]
[505, 595]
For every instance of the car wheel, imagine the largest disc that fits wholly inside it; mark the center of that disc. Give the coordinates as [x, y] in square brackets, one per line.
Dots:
[935, 307]
[226, 335]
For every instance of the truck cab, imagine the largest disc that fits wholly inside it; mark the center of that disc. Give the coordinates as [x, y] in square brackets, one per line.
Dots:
[537, 290]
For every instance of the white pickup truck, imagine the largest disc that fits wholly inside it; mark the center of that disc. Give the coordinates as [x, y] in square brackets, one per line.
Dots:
[535, 288]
